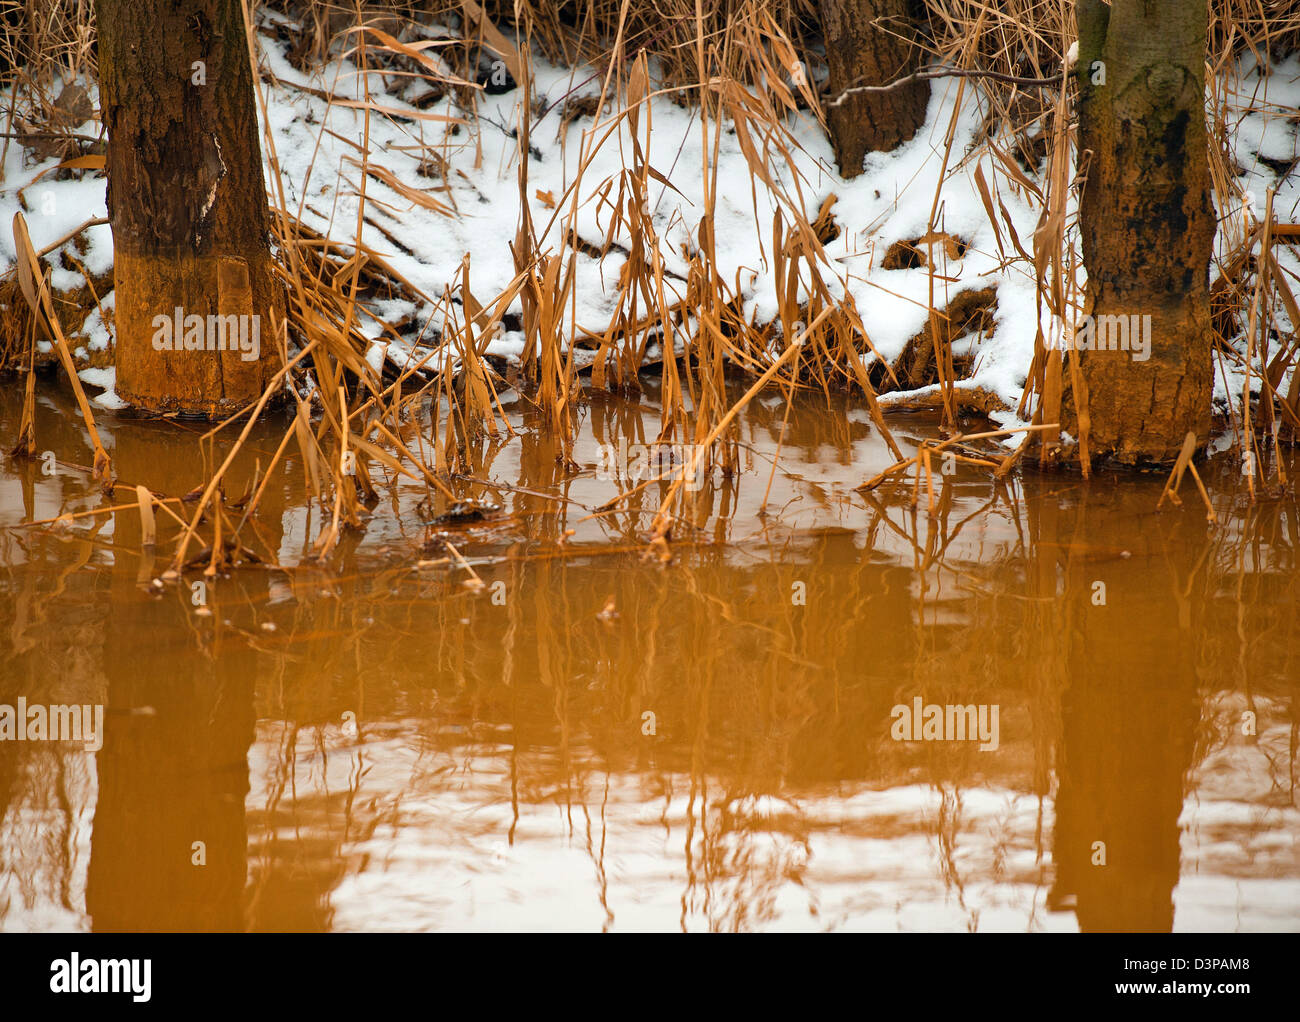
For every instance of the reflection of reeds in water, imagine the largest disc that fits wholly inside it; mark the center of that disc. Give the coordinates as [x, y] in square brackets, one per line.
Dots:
[768, 713]
[47, 791]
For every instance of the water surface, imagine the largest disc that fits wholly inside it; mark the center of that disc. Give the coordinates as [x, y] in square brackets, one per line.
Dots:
[610, 741]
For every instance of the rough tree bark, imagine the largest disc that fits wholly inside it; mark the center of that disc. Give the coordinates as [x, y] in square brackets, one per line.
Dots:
[1147, 224]
[186, 201]
[863, 47]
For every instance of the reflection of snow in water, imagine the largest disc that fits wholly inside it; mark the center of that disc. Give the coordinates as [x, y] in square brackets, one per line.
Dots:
[434, 851]
[45, 845]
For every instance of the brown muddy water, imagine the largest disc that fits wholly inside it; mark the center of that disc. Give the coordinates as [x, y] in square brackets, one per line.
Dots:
[606, 742]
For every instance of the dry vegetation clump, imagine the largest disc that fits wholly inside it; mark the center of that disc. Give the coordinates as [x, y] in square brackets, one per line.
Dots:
[750, 66]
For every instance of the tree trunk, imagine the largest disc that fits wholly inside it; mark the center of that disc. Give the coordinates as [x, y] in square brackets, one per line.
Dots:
[1147, 226]
[867, 44]
[187, 204]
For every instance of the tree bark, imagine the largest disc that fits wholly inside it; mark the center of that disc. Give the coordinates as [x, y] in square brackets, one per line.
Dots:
[187, 203]
[863, 47]
[1147, 223]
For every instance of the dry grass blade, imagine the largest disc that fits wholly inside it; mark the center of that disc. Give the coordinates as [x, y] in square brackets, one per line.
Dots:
[148, 528]
[38, 297]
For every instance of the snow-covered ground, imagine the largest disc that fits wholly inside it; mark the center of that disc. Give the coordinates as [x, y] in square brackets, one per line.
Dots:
[317, 144]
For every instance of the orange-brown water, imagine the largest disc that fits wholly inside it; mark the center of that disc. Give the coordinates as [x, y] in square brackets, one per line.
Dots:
[605, 741]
